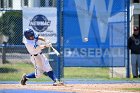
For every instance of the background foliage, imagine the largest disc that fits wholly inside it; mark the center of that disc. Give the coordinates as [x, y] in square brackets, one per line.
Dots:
[11, 26]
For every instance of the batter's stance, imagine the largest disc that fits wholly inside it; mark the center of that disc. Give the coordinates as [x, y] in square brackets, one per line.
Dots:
[39, 60]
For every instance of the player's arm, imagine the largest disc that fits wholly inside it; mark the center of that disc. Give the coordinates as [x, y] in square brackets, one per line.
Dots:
[41, 38]
[46, 45]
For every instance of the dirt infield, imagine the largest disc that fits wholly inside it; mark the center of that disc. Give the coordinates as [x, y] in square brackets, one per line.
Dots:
[76, 88]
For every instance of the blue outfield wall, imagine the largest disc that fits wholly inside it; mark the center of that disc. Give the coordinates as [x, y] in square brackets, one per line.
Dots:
[95, 33]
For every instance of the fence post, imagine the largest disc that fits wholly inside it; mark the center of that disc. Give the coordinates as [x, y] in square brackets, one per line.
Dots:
[128, 31]
[58, 36]
[4, 53]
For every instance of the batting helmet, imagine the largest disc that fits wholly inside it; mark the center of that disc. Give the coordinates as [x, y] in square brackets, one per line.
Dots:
[28, 33]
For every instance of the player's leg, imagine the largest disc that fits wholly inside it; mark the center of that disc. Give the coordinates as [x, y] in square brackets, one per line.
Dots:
[48, 71]
[26, 77]
[51, 75]
[139, 65]
[54, 78]
[35, 74]
[133, 64]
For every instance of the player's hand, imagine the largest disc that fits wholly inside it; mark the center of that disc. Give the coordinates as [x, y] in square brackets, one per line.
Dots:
[50, 44]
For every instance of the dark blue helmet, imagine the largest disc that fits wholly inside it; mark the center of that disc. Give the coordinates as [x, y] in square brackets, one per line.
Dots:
[28, 33]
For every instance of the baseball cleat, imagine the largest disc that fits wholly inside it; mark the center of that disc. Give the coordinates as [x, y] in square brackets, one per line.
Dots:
[23, 80]
[61, 83]
[57, 83]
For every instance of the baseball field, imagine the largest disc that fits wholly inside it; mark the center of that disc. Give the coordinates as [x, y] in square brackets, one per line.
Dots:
[76, 80]
[90, 35]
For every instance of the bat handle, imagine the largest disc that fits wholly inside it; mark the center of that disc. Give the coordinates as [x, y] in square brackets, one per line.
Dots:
[57, 53]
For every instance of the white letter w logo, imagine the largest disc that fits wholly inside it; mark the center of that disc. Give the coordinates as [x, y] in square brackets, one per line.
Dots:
[85, 16]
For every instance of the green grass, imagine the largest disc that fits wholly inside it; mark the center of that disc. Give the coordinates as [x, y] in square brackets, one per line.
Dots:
[132, 89]
[85, 72]
[13, 72]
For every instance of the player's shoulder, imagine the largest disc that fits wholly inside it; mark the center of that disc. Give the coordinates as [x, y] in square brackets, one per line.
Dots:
[29, 42]
[36, 36]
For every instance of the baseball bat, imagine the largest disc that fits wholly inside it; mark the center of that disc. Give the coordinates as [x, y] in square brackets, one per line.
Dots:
[56, 52]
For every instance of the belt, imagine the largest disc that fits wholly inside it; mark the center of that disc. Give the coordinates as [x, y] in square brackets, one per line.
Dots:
[36, 54]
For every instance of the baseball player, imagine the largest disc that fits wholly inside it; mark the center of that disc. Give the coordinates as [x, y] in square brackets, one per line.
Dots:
[39, 60]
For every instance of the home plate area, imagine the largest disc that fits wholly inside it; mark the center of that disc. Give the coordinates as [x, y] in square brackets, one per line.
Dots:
[69, 87]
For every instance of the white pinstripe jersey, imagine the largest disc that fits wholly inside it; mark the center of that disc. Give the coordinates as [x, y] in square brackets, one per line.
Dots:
[32, 46]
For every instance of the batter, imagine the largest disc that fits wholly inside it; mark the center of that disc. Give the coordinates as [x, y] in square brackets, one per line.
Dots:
[39, 60]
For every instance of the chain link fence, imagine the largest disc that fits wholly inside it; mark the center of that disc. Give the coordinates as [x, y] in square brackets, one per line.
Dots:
[11, 27]
[12, 50]
[94, 35]
[10, 33]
